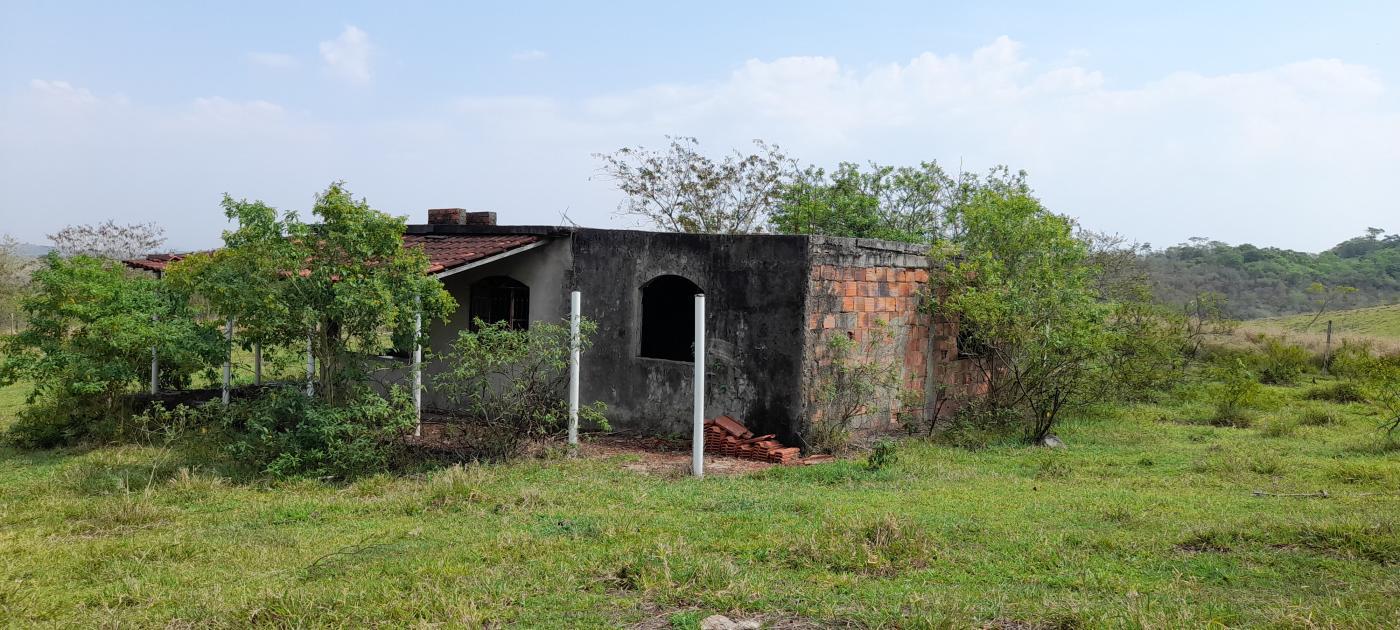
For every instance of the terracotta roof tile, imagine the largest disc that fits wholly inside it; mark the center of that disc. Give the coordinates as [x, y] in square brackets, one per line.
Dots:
[445, 251]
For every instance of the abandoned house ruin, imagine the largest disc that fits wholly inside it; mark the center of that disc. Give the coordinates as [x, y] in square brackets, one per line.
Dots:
[773, 302]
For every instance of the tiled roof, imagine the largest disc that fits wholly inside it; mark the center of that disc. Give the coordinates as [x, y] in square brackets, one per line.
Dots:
[445, 251]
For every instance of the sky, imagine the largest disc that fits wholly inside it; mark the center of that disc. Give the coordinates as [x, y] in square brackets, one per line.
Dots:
[1275, 123]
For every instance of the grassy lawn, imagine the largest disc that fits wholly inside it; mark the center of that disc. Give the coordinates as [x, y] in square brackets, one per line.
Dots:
[1146, 519]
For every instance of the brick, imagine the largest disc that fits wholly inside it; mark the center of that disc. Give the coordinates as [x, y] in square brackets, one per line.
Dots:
[870, 274]
[848, 304]
[829, 321]
[849, 288]
[920, 275]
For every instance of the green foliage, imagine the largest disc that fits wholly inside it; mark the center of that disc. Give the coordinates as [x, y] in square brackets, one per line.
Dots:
[91, 328]
[849, 379]
[1020, 279]
[285, 434]
[1234, 392]
[1279, 362]
[1268, 281]
[910, 204]
[346, 280]
[510, 385]
[679, 189]
[883, 454]
[1338, 392]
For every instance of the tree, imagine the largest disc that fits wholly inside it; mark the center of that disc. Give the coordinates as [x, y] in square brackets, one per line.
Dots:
[14, 276]
[1324, 296]
[345, 282]
[909, 204]
[679, 189]
[1025, 286]
[91, 327]
[109, 240]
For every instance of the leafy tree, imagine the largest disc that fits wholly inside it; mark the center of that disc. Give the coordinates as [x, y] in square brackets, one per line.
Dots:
[1019, 278]
[1324, 296]
[109, 240]
[344, 281]
[909, 204]
[14, 276]
[509, 383]
[91, 327]
[679, 189]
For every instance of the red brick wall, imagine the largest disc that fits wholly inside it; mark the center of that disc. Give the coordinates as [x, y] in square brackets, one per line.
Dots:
[852, 300]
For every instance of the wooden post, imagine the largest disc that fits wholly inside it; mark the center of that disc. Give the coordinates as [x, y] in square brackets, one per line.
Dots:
[1327, 350]
[310, 365]
[155, 364]
[257, 364]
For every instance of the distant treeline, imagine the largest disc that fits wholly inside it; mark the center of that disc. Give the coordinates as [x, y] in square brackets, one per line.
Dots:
[1268, 281]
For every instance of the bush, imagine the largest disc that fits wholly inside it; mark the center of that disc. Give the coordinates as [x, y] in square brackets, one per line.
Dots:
[850, 380]
[883, 454]
[509, 386]
[1317, 417]
[1277, 426]
[1234, 393]
[1279, 362]
[1338, 392]
[286, 434]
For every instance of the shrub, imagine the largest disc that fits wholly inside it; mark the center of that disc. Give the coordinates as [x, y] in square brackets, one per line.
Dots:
[1337, 392]
[286, 434]
[509, 386]
[1234, 393]
[883, 454]
[1277, 426]
[91, 328]
[849, 381]
[1279, 362]
[980, 423]
[1317, 416]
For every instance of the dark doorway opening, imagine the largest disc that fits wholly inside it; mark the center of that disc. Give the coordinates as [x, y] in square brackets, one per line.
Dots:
[500, 299]
[668, 318]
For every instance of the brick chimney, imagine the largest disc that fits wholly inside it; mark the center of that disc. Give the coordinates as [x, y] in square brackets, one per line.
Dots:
[459, 216]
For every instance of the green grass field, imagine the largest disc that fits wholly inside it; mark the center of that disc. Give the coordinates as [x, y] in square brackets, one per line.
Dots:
[1147, 519]
[1380, 322]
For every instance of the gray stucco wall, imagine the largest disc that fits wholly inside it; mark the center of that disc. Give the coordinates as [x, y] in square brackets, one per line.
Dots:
[755, 289]
[544, 269]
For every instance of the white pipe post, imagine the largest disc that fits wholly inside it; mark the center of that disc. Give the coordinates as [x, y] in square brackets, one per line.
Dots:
[310, 365]
[257, 364]
[697, 439]
[155, 364]
[418, 366]
[575, 312]
[228, 359]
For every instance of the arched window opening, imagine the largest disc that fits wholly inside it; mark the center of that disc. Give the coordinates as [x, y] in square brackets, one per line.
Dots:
[668, 318]
[500, 299]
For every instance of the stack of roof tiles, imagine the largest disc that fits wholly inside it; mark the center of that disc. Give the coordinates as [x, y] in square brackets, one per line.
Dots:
[727, 436]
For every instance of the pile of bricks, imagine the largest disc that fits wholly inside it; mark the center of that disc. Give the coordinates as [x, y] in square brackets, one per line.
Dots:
[727, 436]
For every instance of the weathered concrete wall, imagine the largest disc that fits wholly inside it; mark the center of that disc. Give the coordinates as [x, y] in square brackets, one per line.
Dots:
[755, 292]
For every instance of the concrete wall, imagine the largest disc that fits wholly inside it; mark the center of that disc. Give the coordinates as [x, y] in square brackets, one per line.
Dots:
[755, 289]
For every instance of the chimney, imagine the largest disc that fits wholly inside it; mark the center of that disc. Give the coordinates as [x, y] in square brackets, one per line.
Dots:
[459, 216]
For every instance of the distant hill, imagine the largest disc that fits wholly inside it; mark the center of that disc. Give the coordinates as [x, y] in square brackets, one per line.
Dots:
[1379, 322]
[1268, 281]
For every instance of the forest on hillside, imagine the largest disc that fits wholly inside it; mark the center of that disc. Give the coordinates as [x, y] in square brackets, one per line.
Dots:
[1268, 281]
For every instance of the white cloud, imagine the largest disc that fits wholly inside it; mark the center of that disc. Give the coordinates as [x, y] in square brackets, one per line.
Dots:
[1293, 155]
[348, 56]
[530, 55]
[274, 61]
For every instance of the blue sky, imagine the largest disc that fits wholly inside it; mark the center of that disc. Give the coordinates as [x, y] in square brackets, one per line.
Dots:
[1276, 123]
